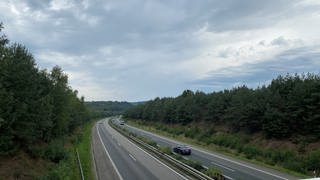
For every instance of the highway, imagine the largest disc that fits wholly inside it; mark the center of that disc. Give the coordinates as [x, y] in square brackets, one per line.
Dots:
[232, 168]
[130, 161]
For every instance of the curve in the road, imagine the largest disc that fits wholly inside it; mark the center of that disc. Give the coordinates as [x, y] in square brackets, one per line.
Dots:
[129, 160]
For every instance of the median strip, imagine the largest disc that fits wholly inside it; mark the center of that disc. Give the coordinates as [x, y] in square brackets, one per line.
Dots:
[152, 147]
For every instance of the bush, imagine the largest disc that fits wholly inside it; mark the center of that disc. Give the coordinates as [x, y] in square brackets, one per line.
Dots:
[166, 150]
[195, 164]
[226, 140]
[55, 151]
[251, 151]
[36, 151]
[61, 172]
[214, 173]
[313, 161]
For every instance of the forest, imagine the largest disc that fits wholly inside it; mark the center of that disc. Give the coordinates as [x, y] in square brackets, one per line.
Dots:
[108, 108]
[42, 119]
[288, 106]
[277, 124]
[36, 106]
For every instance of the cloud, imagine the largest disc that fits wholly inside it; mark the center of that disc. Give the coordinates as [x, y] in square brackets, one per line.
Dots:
[133, 50]
[300, 60]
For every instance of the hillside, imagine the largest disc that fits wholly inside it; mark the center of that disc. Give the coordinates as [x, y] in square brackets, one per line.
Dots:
[108, 108]
[41, 118]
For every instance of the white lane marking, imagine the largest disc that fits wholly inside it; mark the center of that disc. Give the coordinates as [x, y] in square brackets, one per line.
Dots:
[228, 177]
[224, 167]
[132, 157]
[155, 158]
[105, 149]
[235, 162]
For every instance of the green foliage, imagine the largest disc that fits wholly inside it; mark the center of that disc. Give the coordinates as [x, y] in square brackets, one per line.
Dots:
[55, 151]
[192, 163]
[214, 173]
[288, 106]
[36, 106]
[84, 149]
[313, 161]
[64, 170]
[166, 150]
[108, 108]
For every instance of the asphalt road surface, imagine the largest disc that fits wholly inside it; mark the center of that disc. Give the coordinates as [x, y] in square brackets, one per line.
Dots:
[130, 161]
[232, 168]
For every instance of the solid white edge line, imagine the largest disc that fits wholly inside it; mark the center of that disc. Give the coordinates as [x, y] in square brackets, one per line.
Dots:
[212, 154]
[132, 157]
[105, 149]
[247, 166]
[228, 177]
[222, 166]
[154, 157]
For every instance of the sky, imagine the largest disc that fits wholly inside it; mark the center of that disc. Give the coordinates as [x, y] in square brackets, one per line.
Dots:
[137, 50]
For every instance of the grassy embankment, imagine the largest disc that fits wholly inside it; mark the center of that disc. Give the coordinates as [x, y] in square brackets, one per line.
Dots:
[56, 160]
[235, 145]
[68, 168]
[84, 149]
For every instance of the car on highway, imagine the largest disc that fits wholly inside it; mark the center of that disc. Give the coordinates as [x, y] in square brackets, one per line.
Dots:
[182, 149]
[121, 122]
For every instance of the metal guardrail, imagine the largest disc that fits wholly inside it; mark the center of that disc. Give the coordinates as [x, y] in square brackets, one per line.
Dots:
[172, 161]
[79, 162]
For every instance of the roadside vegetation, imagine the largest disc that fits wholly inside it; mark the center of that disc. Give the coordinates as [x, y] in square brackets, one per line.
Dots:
[41, 119]
[108, 108]
[276, 124]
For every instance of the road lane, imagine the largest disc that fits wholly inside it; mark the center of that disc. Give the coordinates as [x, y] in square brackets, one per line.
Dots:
[232, 168]
[130, 160]
[127, 168]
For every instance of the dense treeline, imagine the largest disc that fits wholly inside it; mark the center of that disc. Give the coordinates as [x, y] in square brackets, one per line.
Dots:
[36, 106]
[108, 108]
[288, 107]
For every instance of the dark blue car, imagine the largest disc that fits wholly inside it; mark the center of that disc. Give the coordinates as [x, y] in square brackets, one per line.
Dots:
[183, 150]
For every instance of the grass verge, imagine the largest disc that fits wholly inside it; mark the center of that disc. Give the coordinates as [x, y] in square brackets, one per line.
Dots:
[67, 167]
[84, 149]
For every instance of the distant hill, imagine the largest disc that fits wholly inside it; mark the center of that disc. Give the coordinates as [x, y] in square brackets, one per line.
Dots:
[108, 108]
[138, 103]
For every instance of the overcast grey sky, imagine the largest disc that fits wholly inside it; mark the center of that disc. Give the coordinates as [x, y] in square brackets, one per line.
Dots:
[139, 49]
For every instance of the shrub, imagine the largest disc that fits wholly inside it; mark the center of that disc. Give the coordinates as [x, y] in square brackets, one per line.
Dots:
[55, 151]
[166, 150]
[195, 164]
[251, 151]
[313, 161]
[214, 173]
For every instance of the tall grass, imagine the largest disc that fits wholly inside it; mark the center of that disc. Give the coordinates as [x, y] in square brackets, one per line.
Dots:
[63, 153]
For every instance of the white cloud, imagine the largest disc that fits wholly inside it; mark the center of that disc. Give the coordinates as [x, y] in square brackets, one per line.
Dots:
[61, 59]
[88, 87]
[112, 51]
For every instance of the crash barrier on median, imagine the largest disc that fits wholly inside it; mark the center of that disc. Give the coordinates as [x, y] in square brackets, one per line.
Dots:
[172, 161]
